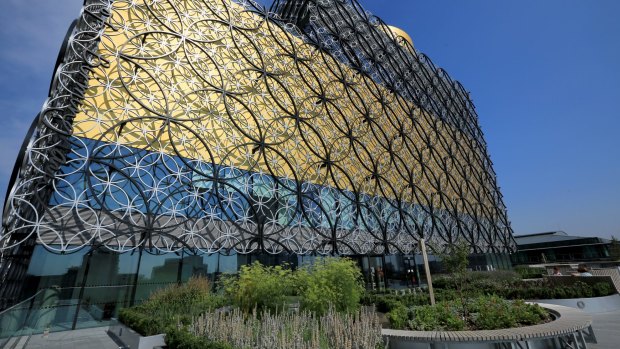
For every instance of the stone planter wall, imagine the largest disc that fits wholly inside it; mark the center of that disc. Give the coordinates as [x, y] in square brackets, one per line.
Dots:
[133, 340]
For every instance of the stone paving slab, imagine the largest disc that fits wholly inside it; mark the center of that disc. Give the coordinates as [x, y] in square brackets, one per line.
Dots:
[607, 330]
[78, 339]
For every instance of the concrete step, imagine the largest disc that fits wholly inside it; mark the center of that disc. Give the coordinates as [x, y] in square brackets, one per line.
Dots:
[17, 342]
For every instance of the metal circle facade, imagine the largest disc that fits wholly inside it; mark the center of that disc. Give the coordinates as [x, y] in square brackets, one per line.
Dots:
[218, 126]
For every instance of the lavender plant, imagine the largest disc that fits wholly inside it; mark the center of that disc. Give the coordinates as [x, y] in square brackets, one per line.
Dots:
[288, 330]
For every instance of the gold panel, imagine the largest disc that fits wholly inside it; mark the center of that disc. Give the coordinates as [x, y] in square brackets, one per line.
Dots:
[215, 82]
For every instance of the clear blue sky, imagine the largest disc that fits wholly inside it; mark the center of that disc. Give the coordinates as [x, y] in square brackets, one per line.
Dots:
[544, 75]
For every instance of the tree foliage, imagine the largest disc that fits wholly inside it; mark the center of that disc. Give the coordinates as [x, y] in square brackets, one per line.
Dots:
[335, 282]
[259, 286]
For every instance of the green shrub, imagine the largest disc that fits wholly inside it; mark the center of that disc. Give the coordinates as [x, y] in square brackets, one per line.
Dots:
[384, 303]
[602, 289]
[329, 282]
[528, 314]
[387, 303]
[483, 312]
[261, 287]
[499, 277]
[442, 316]
[530, 272]
[146, 325]
[493, 312]
[398, 317]
[171, 305]
[443, 282]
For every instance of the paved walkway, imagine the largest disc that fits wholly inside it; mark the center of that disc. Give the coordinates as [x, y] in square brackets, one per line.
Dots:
[78, 339]
[606, 328]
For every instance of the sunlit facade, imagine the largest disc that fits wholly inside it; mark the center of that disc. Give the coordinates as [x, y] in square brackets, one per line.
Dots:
[187, 137]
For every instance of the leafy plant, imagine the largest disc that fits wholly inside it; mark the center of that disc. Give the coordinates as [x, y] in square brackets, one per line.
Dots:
[398, 316]
[455, 261]
[329, 282]
[602, 289]
[493, 312]
[259, 286]
[530, 272]
[171, 305]
[441, 316]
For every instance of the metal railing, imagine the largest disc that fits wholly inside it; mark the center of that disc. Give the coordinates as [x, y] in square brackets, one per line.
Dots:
[50, 310]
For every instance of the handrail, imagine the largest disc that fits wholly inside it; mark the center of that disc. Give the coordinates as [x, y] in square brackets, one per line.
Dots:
[31, 298]
[37, 313]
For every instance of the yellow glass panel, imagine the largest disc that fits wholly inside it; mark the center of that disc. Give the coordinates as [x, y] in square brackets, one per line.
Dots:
[215, 82]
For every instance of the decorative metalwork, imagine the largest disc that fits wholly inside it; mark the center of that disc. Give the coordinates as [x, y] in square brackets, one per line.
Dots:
[219, 126]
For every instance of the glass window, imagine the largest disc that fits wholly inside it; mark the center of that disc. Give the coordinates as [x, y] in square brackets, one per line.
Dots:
[202, 177]
[329, 206]
[109, 285]
[156, 271]
[263, 186]
[204, 265]
[346, 208]
[228, 264]
[47, 269]
[310, 199]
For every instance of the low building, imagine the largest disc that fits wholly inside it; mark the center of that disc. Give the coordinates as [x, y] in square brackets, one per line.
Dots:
[559, 247]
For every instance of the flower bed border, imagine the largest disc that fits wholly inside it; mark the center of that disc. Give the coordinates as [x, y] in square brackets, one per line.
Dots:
[570, 328]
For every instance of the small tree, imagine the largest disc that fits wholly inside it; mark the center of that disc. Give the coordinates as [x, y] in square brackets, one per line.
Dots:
[330, 282]
[259, 286]
[455, 262]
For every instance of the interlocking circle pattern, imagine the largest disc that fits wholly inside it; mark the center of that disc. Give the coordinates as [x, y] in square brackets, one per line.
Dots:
[220, 126]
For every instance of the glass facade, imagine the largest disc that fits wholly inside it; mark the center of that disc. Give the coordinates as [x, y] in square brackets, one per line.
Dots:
[88, 288]
[586, 249]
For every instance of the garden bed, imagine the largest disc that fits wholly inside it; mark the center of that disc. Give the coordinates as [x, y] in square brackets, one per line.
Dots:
[265, 307]
[253, 310]
[569, 327]
[481, 313]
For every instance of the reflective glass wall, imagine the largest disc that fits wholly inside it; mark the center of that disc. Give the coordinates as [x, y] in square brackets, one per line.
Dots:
[89, 287]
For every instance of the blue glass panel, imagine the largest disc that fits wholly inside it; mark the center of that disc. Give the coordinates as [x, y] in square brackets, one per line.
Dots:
[156, 271]
[347, 209]
[263, 186]
[203, 176]
[329, 204]
[163, 184]
[228, 264]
